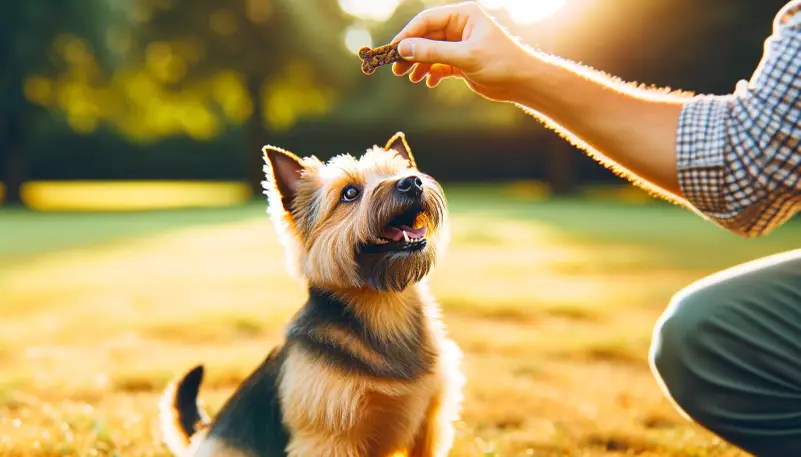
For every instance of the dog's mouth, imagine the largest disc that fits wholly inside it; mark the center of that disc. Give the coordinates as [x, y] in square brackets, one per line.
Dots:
[404, 233]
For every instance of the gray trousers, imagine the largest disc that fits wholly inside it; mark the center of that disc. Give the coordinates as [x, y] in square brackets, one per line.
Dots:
[728, 353]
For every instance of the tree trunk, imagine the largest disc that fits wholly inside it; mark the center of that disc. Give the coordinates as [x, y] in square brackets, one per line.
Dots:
[257, 136]
[560, 165]
[12, 155]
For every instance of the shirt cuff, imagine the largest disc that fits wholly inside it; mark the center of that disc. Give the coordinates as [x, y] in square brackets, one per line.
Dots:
[701, 143]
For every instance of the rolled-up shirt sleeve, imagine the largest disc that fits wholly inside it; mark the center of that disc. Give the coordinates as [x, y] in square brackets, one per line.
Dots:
[739, 155]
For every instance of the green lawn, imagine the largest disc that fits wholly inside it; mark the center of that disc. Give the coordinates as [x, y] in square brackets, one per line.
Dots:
[676, 236]
[24, 232]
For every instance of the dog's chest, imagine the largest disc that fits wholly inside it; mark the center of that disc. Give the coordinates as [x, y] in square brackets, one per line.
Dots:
[324, 400]
[397, 346]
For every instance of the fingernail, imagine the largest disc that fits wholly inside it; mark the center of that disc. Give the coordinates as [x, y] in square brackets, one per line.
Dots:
[406, 49]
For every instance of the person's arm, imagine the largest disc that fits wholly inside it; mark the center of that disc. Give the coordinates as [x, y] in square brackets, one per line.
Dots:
[693, 148]
[630, 130]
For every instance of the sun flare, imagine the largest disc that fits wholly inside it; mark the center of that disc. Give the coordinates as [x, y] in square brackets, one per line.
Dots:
[356, 38]
[377, 10]
[525, 12]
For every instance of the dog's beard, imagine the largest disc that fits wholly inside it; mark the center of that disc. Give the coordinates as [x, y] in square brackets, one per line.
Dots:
[395, 271]
[395, 264]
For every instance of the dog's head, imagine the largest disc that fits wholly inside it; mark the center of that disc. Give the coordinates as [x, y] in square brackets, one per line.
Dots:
[375, 222]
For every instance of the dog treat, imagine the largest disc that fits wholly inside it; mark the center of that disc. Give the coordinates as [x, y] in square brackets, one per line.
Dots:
[374, 58]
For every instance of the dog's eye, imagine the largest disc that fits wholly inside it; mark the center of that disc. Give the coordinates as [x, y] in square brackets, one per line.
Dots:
[350, 193]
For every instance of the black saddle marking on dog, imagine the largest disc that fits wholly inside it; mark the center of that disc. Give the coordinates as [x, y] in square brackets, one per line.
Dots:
[251, 420]
[406, 359]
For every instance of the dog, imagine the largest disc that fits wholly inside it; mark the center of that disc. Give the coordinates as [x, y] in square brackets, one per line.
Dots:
[366, 368]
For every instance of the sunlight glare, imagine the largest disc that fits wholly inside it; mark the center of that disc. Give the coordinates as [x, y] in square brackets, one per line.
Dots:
[356, 38]
[526, 12]
[377, 10]
[493, 4]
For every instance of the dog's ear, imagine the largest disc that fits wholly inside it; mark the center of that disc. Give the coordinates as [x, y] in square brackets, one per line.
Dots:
[399, 145]
[283, 170]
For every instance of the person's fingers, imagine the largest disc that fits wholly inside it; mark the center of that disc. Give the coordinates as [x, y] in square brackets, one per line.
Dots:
[437, 19]
[433, 81]
[445, 71]
[402, 68]
[419, 73]
[438, 72]
[421, 50]
[438, 35]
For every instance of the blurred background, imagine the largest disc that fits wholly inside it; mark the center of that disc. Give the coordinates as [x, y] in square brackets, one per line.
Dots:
[134, 243]
[189, 90]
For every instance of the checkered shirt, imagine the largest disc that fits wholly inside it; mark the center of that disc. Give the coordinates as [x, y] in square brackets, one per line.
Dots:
[739, 155]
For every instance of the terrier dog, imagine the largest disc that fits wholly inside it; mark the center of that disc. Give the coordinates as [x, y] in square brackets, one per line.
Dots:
[366, 368]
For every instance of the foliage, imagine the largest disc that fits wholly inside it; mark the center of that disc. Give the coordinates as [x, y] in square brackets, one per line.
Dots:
[193, 88]
[35, 35]
[192, 68]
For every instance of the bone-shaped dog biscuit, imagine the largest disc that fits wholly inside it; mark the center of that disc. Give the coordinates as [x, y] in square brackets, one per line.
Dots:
[374, 58]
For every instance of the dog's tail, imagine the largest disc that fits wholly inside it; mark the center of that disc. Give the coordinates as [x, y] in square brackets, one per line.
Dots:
[179, 412]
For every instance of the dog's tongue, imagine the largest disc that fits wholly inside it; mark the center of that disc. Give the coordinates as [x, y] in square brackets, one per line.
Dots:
[396, 233]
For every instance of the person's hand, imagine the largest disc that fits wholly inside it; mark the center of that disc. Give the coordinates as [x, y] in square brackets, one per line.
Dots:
[462, 41]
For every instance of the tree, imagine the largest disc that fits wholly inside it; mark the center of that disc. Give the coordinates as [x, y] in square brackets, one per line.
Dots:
[262, 62]
[28, 31]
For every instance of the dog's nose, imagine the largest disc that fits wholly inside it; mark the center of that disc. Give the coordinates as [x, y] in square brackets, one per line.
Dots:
[410, 185]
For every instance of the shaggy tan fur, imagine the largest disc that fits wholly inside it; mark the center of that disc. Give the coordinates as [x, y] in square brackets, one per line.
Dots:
[335, 403]
[335, 413]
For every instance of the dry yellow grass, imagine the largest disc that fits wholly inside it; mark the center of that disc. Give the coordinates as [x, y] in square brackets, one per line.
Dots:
[555, 342]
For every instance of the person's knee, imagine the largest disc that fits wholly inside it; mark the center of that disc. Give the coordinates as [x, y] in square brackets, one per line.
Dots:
[679, 337]
[703, 327]
[723, 352]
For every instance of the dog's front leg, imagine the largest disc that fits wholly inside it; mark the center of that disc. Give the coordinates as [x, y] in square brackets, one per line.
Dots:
[320, 445]
[435, 436]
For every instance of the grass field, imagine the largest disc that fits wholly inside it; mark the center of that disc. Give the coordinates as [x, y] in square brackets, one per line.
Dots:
[552, 301]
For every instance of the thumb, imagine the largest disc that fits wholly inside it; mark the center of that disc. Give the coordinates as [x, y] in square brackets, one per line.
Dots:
[422, 50]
